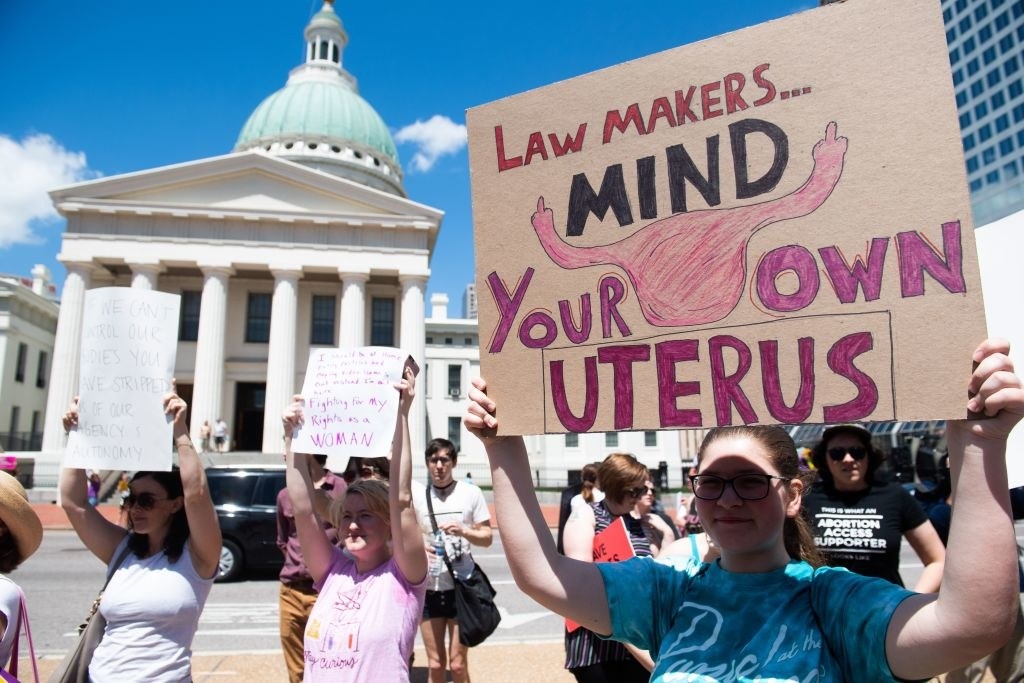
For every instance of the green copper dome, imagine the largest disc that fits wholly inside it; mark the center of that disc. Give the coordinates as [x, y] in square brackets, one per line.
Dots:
[319, 119]
[316, 111]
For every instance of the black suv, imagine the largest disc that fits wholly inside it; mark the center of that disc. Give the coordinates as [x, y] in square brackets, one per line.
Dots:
[245, 498]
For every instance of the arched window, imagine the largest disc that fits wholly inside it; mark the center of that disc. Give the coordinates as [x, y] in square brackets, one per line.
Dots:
[323, 50]
[335, 57]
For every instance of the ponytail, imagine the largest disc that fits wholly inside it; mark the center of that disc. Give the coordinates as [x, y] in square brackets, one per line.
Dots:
[796, 532]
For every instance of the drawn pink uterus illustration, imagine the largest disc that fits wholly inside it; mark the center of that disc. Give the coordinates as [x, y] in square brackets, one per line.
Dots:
[690, 268]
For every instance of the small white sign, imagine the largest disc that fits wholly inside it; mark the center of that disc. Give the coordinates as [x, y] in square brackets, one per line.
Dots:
[351, 403]
[1000, 254]
[129, 340]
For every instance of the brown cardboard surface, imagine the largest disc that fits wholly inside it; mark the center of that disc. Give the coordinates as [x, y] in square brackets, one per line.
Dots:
[761, 227]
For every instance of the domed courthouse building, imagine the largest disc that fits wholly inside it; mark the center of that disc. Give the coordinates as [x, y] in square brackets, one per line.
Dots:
[302, 237]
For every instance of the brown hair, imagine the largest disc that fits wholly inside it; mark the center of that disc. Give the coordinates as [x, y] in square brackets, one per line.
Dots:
[374, 493]
[820, 452]
[10, 557]
[796, 531]
[617, 472]
[589, 476]
[178, 533]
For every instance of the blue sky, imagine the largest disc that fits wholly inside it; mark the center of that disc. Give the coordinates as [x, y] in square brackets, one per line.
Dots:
[101, 88]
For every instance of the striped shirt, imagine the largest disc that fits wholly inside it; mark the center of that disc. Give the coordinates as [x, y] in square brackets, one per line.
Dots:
[583, 647]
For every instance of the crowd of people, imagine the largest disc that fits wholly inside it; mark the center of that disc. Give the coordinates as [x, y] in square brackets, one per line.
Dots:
[769, 569]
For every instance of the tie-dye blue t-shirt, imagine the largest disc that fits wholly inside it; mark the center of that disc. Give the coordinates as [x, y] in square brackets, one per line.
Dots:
[793, 624]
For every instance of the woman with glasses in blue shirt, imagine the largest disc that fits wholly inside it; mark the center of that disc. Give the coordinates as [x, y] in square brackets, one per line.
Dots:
[858, 521]
[764, 610]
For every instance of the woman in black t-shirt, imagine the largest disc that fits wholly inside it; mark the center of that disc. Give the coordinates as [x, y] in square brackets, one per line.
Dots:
[859, 522]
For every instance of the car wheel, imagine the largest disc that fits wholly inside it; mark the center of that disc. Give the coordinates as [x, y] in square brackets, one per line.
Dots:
[231, 561]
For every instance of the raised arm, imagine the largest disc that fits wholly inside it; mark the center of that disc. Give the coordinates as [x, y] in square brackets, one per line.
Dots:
[579, 534]
[925, 541]
[204, 540]
[316, 548]
[406, 537]
[971, 615]
[568, 587]
[98, 534]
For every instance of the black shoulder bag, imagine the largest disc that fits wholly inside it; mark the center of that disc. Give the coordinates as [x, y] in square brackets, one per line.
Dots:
[475, 610]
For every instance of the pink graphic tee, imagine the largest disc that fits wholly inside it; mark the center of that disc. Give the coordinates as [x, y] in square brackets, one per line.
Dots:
[363, 626]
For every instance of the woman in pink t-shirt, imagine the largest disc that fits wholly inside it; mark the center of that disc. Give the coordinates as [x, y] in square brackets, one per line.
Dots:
[364, 622]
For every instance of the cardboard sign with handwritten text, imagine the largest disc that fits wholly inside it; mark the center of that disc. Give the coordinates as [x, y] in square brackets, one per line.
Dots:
[351, 403]
[771, 226]
[129, 342]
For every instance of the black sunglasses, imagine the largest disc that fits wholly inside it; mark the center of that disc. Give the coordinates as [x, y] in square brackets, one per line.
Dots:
[745, 486]
[837, 453]
[145, 501]
[639, 491]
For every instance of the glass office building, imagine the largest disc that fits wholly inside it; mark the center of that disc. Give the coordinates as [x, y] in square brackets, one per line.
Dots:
[986, 53]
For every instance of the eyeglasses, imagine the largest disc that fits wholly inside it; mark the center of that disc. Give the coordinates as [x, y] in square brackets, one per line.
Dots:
[837, 453]
[440, 461]
[369, 471]
[745, 486]
[145, 501]
[639, 491]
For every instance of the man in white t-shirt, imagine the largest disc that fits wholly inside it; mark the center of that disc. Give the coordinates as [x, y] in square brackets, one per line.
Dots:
[462, 516]
[220, 436]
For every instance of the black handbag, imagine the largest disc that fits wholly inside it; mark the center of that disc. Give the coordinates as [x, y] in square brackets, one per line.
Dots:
[475, 610]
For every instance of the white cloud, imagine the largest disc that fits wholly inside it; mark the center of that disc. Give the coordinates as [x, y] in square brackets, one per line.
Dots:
[434, 138]
[28, 170]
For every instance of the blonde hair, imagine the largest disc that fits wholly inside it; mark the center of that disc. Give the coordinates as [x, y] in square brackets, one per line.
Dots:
[375, 495]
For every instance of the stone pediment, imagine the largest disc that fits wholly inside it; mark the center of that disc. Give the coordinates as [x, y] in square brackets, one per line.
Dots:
[248, 182]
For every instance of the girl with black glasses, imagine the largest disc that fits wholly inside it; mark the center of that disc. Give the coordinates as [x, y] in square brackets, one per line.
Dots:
[858, 521]
[763, 610]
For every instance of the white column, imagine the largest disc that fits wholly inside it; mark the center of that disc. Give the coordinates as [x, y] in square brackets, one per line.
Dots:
[281, 356]
[412, 336]
[144, 275]
[352, 323]
[64, 369]
[208, 383]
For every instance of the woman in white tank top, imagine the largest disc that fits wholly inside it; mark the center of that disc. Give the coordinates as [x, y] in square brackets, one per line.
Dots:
[164, 563]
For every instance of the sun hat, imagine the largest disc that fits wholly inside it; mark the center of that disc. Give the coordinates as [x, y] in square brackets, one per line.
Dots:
[19, 517]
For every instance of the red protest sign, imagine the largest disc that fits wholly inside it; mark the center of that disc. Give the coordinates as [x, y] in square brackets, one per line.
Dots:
[611, 545]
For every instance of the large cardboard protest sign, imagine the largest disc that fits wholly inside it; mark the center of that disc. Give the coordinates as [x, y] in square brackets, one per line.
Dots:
[350, 403]
[129, 341]
[753, 228]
